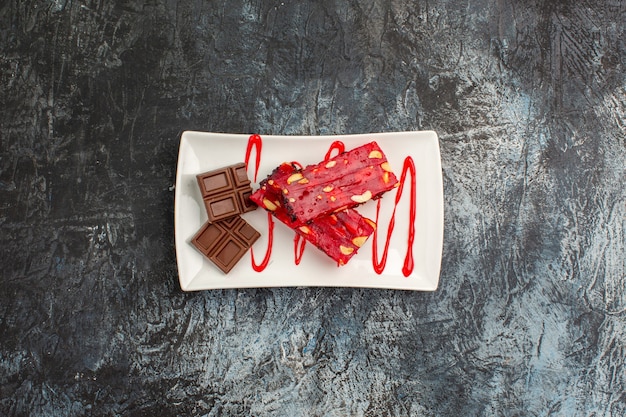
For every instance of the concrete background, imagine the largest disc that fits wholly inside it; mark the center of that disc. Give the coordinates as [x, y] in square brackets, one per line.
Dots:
[529, 101]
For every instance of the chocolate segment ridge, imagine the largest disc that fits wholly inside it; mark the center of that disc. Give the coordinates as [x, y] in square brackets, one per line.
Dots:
[224, 243]
[226, 192]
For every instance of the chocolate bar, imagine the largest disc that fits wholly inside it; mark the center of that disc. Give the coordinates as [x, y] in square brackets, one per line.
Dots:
[270, 198]
[225, 242]
[226, 192]
[347, 180]
[339, 235]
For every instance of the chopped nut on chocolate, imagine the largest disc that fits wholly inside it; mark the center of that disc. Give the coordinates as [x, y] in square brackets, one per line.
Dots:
[362, 174]
[330, 233]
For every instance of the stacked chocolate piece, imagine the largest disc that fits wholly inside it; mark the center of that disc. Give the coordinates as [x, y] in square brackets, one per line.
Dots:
[226, 236]
[318, 202]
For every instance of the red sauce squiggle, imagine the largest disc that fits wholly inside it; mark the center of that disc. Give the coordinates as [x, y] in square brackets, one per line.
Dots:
[335, 146]
[254, 141]
[298, 248]
[407, 268]
[268, 252]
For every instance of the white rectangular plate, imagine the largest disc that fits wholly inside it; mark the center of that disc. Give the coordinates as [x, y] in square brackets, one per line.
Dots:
[200, 152]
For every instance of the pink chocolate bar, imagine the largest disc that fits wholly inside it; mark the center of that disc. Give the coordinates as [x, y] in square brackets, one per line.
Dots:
[347, 180]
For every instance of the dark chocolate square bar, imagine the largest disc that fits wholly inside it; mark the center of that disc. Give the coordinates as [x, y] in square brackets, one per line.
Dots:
[226, 192]
[225, 242]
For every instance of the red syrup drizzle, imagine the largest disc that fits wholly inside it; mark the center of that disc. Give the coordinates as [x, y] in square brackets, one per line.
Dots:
[256, 142]
[335, 146]
[270, 242]
[407, 268]
[298, 248]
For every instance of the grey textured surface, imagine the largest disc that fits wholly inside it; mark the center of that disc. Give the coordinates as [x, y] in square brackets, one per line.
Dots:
[529, 100]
